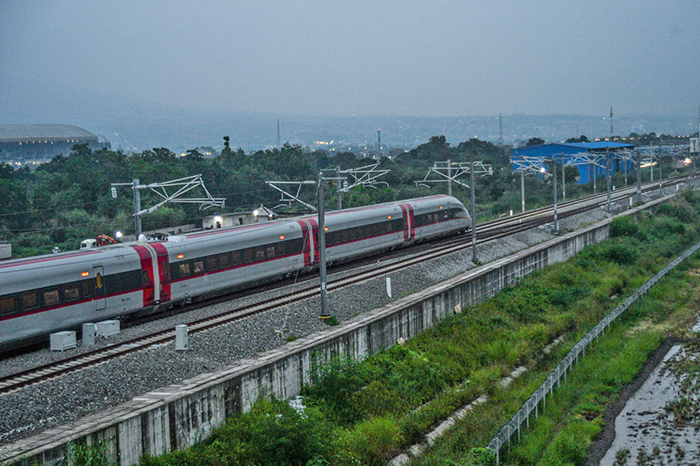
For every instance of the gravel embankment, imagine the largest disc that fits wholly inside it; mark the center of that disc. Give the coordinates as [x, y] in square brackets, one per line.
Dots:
[67, 398]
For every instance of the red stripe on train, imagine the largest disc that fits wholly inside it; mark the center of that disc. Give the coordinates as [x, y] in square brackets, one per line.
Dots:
[404, 213]
[306, 249]
[147, 265]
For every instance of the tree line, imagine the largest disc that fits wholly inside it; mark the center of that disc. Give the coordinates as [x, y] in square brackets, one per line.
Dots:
[68, 199]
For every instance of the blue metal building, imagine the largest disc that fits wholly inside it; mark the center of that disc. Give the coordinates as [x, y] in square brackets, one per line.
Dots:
[565, 153]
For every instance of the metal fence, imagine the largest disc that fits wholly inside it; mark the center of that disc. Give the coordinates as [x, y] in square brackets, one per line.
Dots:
[512, 427]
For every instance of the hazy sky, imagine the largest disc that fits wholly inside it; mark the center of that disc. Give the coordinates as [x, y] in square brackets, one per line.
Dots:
[422, 58]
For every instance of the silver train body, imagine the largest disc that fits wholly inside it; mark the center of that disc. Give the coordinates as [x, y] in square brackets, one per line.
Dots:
[45, 294]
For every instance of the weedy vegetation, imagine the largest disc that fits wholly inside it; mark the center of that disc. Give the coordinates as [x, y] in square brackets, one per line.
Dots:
[366, 412]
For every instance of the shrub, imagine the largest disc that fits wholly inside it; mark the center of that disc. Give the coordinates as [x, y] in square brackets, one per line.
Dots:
[374, 441]
[678, 208]
[333, 388]
[84, 455]
[624, 226]
[665, 226]
[621, 254]
[331, 321]
[272, 433]
[569, 447]
[475, 457]
[565, 297]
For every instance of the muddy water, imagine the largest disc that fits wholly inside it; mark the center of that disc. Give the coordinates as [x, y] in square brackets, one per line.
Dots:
[646, 433]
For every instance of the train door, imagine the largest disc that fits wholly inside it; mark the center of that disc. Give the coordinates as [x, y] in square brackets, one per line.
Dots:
[100, 288]
[163, 271]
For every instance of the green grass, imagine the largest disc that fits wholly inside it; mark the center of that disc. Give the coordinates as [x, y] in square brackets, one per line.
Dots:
[371, 410]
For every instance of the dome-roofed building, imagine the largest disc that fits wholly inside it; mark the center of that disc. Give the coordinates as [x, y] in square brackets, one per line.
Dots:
[38, 143]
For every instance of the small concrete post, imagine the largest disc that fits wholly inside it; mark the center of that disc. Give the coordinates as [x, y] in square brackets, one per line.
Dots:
[89, 331]
[388, 287]
[181, 338]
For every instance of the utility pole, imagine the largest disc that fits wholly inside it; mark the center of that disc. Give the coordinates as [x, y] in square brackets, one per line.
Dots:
[473, 199]
[522, 190]
[595, 173]
[184, 185]
[322, 248]
[500, 128]
[611, 124]
[563, 178]
[449, 177]
[607, 176]
[556, 219]
[279, 139]
[639, 177]
[661, 173]
[379, 142]
[340, 199]
[137, 208]
[651, 151]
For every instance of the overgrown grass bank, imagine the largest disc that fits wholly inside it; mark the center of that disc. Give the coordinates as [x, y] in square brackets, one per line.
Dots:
[364, 413]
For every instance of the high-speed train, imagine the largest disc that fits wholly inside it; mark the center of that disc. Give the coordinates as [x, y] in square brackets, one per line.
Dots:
[45, 294]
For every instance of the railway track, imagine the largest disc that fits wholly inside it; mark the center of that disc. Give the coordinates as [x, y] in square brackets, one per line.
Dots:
[486, 232]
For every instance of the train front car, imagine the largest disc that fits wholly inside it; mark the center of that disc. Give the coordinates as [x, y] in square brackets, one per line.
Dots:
[45, 294]
[437, 216]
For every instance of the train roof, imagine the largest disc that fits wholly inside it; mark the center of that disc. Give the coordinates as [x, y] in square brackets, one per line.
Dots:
[258, 227]
[117, 249]
[83, 255]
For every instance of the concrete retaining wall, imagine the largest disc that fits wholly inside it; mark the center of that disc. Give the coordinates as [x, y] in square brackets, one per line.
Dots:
[180, 415]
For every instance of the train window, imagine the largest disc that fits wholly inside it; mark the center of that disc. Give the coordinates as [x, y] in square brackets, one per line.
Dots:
[8, 305]
[346, 236]
[145, 279]
[198, 266]
[185, 269]
[270, 252]
[225, 259]
[298, 245]
[236, 258]
[29, 301]
[212, 263]
[259, 253]
[50, 297]
[87, 289]
[71, 292]
[281, 249]
[248, 255]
